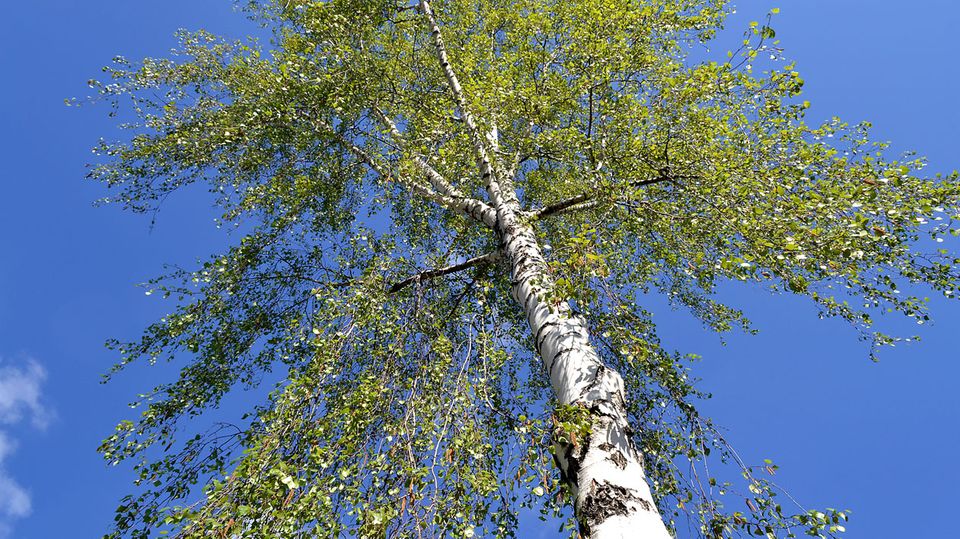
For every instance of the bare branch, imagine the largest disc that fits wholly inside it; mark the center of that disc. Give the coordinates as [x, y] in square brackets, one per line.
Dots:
[488, 258]
[587, 199]
[563, 206]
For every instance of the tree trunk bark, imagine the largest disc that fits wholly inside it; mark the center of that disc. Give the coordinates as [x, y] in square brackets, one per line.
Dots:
[605, 471]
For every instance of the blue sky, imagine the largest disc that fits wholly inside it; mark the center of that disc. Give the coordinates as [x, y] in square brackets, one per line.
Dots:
[879, 439]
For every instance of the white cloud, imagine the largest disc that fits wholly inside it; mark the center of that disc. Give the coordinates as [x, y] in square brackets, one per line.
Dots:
[6, 446]
[20, 394]
[20, 400]
[14, 500]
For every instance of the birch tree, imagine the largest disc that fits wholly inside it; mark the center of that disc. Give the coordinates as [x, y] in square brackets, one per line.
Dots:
[447, 218]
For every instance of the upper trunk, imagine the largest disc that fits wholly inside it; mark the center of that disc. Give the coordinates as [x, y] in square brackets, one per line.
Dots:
[605, 471]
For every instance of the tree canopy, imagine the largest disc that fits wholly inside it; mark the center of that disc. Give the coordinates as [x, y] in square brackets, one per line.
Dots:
[409, 181]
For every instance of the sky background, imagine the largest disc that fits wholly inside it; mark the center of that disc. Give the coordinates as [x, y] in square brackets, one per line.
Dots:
[879, 439]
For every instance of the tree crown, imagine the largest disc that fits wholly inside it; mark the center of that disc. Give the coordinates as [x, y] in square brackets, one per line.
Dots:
[410, 405]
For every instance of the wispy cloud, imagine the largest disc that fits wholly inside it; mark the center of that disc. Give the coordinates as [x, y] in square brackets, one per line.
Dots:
[14, 500]
[20, 394]
[20, 401]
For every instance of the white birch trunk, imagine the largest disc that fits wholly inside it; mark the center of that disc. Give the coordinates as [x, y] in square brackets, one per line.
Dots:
[605, 471]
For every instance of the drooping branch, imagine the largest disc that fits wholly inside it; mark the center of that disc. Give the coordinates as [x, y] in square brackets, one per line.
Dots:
[488, 258]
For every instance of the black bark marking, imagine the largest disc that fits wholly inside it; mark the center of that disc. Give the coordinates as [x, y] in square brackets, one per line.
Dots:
[597, 379]
[563, 472]
[606, 501]
[541, 337]
[618, 459]
[557, 356]
[573, 455]
[512, 238]
[526, 302]
[573, 464]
